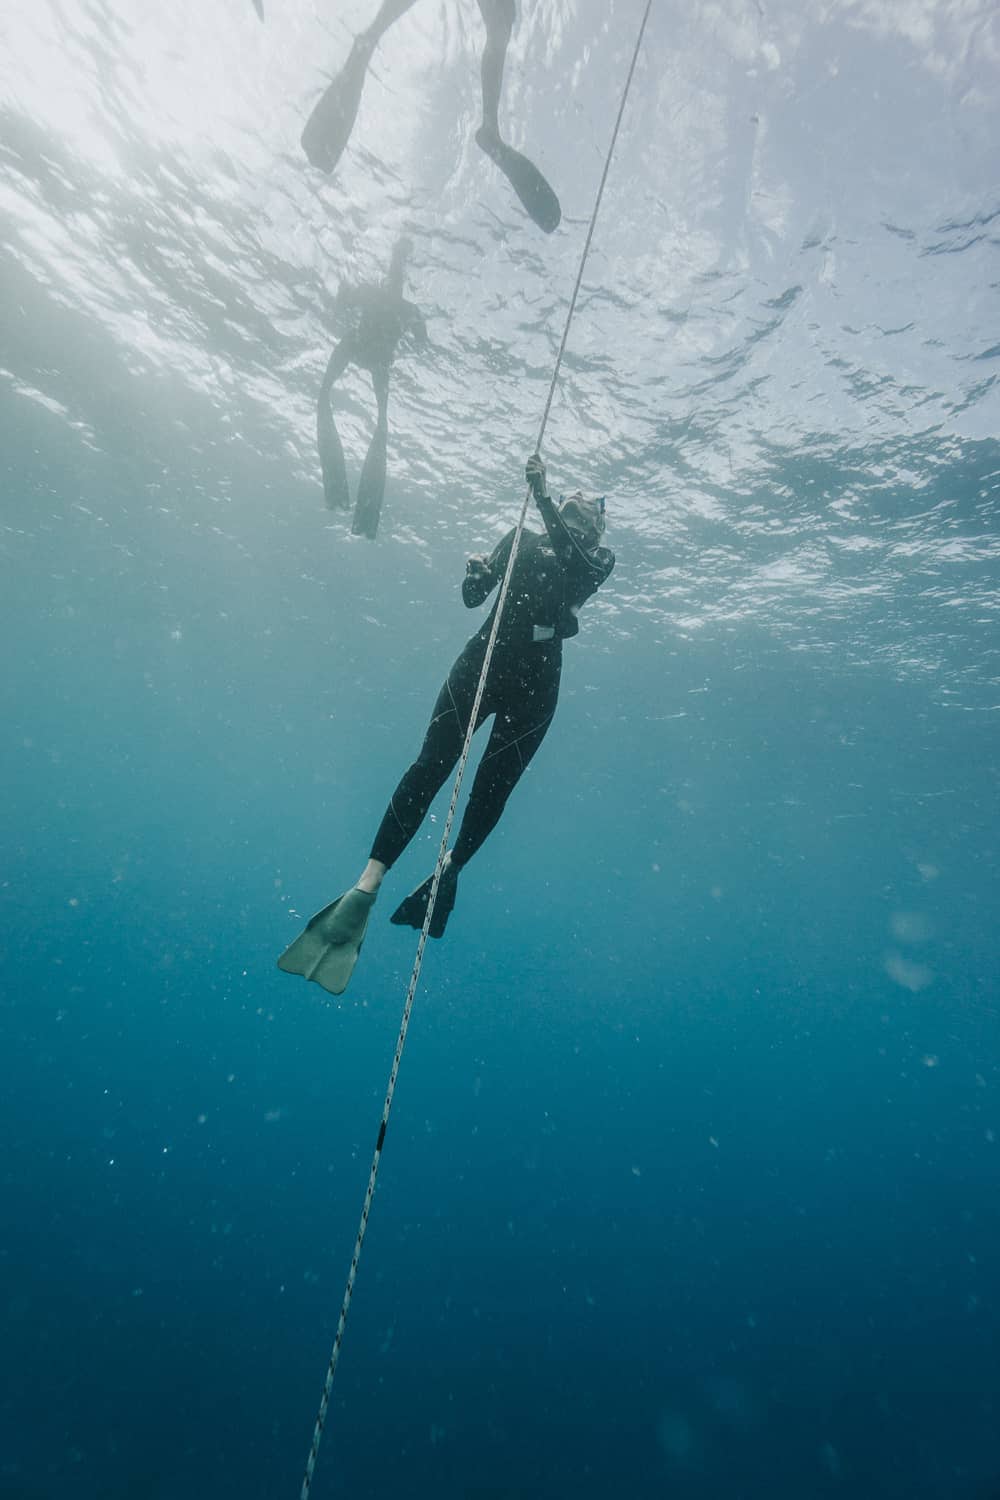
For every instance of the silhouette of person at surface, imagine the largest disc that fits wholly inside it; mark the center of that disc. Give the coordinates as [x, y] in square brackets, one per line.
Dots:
[328, 128]
[377, 317]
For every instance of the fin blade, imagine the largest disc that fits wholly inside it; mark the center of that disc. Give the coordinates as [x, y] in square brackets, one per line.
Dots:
[413, 908]
[328, 948]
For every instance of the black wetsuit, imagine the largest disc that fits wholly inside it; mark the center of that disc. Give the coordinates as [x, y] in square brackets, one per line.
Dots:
[552, 578]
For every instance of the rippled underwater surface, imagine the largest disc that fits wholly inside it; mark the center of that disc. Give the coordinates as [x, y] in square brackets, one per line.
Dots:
[691, 1185]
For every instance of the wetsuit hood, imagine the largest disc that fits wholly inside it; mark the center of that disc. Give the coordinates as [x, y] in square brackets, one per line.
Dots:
[585, 517]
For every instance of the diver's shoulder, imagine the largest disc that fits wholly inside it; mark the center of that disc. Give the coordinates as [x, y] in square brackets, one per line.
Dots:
[532, 541]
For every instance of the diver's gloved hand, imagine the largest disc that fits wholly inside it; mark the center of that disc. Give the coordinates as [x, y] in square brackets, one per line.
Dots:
[477, 567]
[534, 473]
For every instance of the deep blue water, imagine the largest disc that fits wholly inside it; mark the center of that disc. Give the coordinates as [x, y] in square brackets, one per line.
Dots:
[691, 1183]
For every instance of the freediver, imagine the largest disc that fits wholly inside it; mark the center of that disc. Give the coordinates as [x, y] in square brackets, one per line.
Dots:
[555, 572]
[377, 318]
[328, 128]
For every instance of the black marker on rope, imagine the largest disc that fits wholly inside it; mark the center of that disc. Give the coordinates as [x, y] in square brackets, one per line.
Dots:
[456, 789]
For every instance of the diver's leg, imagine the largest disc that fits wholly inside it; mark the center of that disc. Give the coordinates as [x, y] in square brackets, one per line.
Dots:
[331, 452]
[328, 128]
[524, 177]
[499, 18]
[523, 716]
[440, 750]
[371, 485]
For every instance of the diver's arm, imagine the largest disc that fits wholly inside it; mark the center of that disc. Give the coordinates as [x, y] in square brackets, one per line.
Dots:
[416, 326]
[562, 542]
[482, 574]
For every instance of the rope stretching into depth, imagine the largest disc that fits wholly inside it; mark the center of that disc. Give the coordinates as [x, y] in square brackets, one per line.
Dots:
[456, 789]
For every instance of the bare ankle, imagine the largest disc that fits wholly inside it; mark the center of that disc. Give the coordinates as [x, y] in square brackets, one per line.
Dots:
[371, 876]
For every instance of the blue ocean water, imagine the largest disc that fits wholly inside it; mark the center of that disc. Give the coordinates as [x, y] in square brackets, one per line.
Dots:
[691, 1183]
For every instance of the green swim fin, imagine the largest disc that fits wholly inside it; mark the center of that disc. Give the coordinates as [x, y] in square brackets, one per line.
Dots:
[328, 949]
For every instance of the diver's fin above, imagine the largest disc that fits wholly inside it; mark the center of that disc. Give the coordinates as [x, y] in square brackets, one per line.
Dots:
[327, 950]
[331, 458]
[371, 487]
[411, 911]
[328, 128]
[524, 177]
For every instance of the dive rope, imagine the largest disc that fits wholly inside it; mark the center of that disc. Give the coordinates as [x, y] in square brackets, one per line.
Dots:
[456, 789]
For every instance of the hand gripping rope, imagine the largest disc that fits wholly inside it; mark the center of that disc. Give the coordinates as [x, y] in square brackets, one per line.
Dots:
[443, 850]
